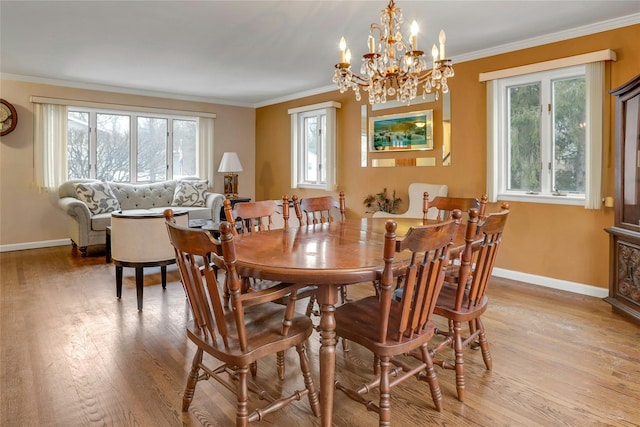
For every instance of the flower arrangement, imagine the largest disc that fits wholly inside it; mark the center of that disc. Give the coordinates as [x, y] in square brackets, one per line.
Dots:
[382, 202]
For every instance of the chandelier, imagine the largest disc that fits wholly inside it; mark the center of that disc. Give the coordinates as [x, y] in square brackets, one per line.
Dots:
[393, 68]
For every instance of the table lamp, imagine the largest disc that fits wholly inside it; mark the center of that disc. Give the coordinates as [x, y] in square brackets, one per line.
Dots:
[230, 164]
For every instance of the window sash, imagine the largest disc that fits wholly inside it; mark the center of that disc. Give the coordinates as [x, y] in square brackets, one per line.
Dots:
[136, 168]
[326, 156]
[50, 137]
[497, 158]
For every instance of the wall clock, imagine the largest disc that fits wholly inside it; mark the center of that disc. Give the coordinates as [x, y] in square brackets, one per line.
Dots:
[8, 117]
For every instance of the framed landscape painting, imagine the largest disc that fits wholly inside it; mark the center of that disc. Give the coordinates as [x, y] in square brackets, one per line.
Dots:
[401, 132]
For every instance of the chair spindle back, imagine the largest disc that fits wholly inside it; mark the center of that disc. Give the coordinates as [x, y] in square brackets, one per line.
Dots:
[483, 237]
[317, 210]
[255, 216]
[424, 276]
[192, 247]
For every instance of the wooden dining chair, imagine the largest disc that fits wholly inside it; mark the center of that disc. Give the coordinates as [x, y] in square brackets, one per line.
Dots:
[239, 332]
[255, 217]
[393, 329]
[320, 210]
[466, 299]
[445, 205]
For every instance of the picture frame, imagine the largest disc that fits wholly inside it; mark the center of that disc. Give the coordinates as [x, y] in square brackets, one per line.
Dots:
[401, 132]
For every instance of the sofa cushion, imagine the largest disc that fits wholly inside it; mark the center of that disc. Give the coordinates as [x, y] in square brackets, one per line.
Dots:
[190, 193]
[98, 197]
[101, 221]
[144, 196]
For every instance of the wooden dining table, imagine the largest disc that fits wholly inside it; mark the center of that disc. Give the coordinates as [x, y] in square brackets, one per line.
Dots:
[328, 256]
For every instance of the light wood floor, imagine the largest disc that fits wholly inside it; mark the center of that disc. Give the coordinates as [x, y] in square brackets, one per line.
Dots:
[72, 355]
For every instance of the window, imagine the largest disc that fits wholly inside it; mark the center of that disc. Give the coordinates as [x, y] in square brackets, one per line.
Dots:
[541, 135]
[130, 147]
[313, 143]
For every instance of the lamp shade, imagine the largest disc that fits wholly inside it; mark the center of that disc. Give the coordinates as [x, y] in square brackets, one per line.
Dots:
[230, 162]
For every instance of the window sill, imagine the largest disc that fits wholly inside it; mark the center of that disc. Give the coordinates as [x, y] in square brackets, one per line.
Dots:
[313, 186]
[543, 198]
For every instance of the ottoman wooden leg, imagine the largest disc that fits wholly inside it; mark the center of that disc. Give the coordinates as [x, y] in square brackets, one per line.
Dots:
[163, 272]
[139, 286]
[118, 281]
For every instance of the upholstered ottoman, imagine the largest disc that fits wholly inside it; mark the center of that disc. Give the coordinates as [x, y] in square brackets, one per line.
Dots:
[139, 239]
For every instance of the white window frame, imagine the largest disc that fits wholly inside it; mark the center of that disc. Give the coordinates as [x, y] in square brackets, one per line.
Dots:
[328, 109]
[501, 141]
[595, 73]
[594, 70]
[133, 138]
[50, 137]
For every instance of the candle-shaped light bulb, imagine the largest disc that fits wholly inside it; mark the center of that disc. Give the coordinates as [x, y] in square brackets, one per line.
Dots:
[343, 47]
[414, 35]
[372, 44]
[434, 53]
[442, 39]
[348, 56]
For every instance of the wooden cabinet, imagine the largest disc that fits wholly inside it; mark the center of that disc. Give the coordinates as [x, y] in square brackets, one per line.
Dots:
[624, 275]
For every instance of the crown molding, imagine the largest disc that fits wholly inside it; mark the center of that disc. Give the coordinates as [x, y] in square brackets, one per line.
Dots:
[572, 33]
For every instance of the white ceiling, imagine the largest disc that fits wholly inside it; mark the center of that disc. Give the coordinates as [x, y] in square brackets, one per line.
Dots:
[255, 53]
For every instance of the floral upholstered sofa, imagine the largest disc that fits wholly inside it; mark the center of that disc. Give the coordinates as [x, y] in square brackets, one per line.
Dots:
[89, 203]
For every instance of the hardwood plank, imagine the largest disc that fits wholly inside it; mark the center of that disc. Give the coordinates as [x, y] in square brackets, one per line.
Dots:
[72, 354]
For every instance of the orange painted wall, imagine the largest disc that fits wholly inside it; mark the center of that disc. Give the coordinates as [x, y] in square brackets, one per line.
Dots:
[560, 242]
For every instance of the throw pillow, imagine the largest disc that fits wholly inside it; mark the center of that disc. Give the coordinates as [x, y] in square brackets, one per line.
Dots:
[190, 193]
[98, 197]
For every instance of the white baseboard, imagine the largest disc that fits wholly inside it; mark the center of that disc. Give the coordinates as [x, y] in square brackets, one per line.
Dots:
[550, 282]
[34, 245]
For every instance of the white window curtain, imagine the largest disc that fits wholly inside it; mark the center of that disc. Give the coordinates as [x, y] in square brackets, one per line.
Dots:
[492, 141]
[593, 150]
[50, 146]
[206, 167]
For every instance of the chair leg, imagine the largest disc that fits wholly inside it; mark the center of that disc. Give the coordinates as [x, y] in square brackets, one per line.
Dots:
[314, 402]
[484, 345]
[242, 393]
[280, 364]
[343, 294]
[432, 379]
[191, 381]
[385, 392]
[459, 359]
[254, 369]
[473, 327]
[309, 311]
